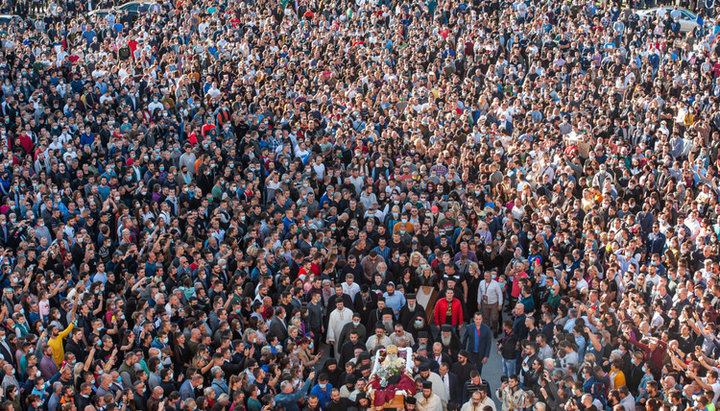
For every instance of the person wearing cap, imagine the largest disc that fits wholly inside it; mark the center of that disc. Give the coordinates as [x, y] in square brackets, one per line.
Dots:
[364, 303]
[463, 366]
[379, 338]
[410, 403]
[410, 311]
[654, 350]
[348, 386]
[427, 400]
[376, 314]
[423, 340]
[394, 299]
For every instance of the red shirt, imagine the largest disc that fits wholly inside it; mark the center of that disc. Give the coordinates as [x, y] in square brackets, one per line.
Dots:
[26, 143]
[516, 284]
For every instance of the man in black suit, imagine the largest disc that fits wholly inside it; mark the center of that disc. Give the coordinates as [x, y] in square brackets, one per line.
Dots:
[277, 325]
[5, 349]
[451, 385]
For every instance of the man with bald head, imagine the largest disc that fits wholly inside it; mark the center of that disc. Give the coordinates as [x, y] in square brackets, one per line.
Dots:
[287, 398]
[155, 398]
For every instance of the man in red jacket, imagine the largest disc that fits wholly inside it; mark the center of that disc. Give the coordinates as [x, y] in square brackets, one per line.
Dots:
[448, 310]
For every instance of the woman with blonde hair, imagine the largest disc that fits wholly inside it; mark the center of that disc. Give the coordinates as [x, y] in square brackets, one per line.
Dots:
[426, 276]
[417, 260]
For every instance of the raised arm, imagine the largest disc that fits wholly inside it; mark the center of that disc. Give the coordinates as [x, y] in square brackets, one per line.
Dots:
[100, 307]
[593, 339]
[636, 343]
[90, 358]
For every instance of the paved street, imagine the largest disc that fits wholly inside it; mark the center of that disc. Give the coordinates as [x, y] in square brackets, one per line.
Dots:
[492, 371]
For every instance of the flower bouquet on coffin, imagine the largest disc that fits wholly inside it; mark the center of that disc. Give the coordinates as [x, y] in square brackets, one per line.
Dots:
[390, 371]
[391, 380]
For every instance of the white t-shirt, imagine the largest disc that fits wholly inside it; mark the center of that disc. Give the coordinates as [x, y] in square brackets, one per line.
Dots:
[716, 389]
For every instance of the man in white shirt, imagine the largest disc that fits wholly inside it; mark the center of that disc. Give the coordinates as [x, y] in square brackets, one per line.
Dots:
[710, 382]
[350, 287]
[490, 300]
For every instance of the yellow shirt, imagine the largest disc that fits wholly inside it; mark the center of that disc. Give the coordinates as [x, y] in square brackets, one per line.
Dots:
[57, 345]
[618, 380]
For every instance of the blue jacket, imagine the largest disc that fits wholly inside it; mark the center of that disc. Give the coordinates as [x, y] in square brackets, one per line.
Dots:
[471, 335]
[220, 387]
[187, 390]
[656, 243]
[323, 395]
[289, 401]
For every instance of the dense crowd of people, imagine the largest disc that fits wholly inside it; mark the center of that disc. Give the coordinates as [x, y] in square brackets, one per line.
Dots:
[229, 206]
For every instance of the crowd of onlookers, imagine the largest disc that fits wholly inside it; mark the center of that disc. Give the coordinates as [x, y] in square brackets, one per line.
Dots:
[229, 206]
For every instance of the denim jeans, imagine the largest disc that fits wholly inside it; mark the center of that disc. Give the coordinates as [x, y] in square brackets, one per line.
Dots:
[508, 367]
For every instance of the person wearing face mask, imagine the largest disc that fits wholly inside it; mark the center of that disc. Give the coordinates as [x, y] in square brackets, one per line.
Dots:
[355, 326]
[167, 383]
[219, 385]
[322, 390]
[193, 383]
[410, 311]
